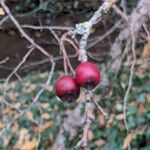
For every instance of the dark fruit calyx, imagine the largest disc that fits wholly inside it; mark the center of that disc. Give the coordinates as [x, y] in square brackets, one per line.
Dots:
[87, 75]
[67, 89]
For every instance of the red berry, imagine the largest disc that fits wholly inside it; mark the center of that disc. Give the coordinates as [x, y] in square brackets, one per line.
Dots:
[67, 89]
[87, 75]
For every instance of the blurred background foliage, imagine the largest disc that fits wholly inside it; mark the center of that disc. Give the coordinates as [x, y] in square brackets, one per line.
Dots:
[50, 113]
[104, 134]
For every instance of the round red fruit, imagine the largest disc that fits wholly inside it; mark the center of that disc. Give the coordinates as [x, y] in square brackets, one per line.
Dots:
[87, 75]
[67, 89]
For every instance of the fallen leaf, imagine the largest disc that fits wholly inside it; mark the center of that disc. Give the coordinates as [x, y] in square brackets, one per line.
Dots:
[56, 108]
[128, 139]
[6, 141]
[12, 95]
[101, 121]
[30, 88]
[46, 116]
[17, 105]
[7, 111]
[14, 112]
[141, 108]
[90, 135]
[43, 75]
[2, 12]
[15, 127]
[132, 135]
[23, 131]
[29, 115]
[146, 50]
[49, 88]
[2, 124]
[100, 143]
[27, 84]
[148, 98]
[44, 105]
[145, 60]
[29, 145]
[120, 117]
[47, 125]
[110, 121]
[24, 136]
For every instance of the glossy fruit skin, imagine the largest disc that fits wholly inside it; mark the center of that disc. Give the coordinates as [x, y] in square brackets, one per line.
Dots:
[87, 75]
[67, 89]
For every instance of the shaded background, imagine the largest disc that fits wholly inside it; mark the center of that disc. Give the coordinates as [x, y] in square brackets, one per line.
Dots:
[51, 12]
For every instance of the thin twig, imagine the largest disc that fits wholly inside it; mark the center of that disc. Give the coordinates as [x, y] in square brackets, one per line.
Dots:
[46, 27]
[3, 20]
[33, 102]
[13, 72]
[100, 109]
[120, 13]
[47, 83]
[23, 33]
[102, 37]
[89, 108]
[4, 61]
[131, 75]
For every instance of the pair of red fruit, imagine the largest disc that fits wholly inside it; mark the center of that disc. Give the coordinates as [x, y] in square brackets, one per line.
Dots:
[87, 75]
